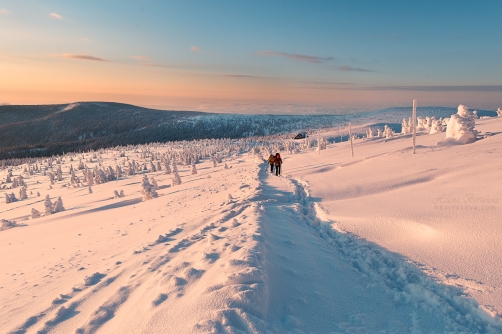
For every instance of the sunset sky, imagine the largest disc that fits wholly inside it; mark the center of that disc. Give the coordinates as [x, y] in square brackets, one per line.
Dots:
[252, 56]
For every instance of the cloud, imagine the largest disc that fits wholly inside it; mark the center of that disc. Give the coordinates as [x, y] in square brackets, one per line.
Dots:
[195, 48]
[142, 58]
[56, 16]
[346, 68]
[303, 58]
[239, 76]
[85, 39]
[439, 88]
[4, 11]
[82, 57]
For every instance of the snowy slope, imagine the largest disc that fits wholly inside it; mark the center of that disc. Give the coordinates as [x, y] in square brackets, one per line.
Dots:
[339, 244]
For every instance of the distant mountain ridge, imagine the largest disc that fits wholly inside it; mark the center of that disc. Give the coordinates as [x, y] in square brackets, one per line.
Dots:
[45, 130]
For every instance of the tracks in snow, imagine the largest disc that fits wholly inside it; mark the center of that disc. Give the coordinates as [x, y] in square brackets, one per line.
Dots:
[401, 278]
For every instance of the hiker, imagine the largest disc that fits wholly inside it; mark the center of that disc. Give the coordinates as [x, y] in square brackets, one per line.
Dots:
[278, 163]
[271, 159]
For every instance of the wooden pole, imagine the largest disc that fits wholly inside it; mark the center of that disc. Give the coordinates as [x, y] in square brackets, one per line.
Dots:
[414, 123]
[350, 135]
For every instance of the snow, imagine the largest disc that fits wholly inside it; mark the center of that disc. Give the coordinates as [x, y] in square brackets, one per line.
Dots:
[384, 241]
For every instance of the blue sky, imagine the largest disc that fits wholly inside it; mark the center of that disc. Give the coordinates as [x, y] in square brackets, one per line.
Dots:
[252, 55]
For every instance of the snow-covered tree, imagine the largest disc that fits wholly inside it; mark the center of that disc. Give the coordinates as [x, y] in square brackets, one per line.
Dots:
[35, 213]
[499, 112]
[406, 126]
[436, 126]
[226, 166]
[154, 183]
[48, 206]
[58, 206]
[22, 193]
[90, 190]
[388, 132]
[461, 126]
[369, 133]
[176, 179]
[147, 189]
[10, 198]
[194, 169]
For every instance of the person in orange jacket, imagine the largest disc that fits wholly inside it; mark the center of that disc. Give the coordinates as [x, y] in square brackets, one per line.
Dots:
[271, 162]
[277, 163]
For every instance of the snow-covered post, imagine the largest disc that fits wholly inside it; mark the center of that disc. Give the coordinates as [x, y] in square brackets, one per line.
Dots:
[414, 123]
[351, 144]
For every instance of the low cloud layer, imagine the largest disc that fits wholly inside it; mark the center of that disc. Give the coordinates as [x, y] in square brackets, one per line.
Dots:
[476, 88]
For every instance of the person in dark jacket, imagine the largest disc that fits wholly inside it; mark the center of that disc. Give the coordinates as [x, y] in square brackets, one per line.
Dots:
[277, 163]
[271, 162]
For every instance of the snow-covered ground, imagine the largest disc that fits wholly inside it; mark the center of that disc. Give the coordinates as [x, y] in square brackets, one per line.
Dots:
[382, 242]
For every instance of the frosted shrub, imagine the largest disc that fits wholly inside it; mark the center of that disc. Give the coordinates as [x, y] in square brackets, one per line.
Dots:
[460, 127]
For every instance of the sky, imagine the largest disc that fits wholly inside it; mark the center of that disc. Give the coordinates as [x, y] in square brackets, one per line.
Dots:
[252, 56]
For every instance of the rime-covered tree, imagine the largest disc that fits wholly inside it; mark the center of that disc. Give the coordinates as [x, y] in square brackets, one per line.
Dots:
[22, 193]
[176, 179]
[48, 206]
[387, 131]
[461, 126]
[154, 183]
[147, 189]
[58, 206]
[35, 213]
[194, 169]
